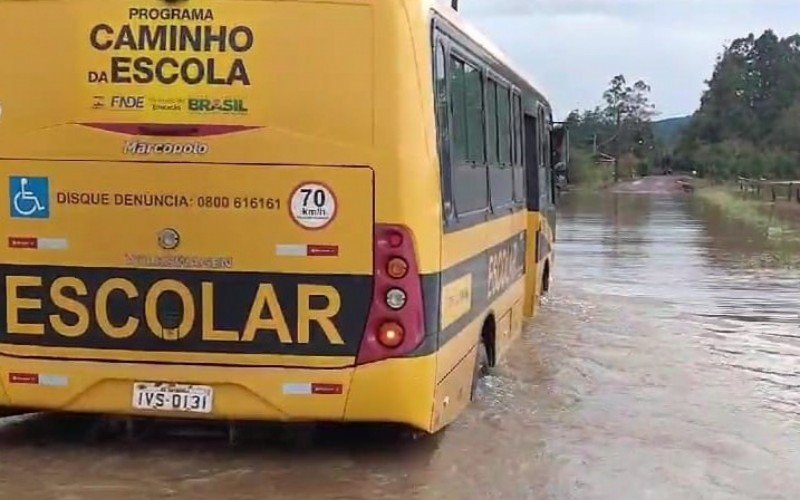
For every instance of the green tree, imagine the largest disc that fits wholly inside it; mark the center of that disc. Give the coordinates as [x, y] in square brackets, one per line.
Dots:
[622, 128]
[629, 109]
[750, 114]
[787, 129]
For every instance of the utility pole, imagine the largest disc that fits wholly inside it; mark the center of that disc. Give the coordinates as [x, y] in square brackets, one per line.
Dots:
[616, 143]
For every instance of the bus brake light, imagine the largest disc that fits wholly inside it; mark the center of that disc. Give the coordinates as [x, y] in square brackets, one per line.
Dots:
[391, 335]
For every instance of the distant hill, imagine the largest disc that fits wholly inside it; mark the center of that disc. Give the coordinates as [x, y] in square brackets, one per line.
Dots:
[669, 131]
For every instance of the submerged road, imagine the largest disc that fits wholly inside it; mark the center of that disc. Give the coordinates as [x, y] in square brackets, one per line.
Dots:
[665, 364]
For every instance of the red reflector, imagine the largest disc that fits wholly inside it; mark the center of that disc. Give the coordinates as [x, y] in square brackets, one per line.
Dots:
[323, 251]
[326, 389]
[28, 243]
[23, 378]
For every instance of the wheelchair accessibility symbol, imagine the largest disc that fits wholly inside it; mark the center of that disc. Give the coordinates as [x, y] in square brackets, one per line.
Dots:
[30, 197]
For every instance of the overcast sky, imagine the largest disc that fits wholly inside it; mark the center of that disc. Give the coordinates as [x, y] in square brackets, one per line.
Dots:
[572, 48]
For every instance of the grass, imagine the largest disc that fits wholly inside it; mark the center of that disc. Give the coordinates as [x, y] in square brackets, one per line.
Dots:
[587, 175]
[782, 236]
[748, 211]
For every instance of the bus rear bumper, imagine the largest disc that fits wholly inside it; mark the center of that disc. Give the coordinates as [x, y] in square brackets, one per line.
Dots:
[397, 391]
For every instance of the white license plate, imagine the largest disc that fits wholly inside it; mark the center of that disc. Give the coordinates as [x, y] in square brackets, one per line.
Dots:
[173, 397]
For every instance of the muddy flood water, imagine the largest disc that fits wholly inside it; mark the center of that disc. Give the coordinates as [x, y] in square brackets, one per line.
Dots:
[665, 364]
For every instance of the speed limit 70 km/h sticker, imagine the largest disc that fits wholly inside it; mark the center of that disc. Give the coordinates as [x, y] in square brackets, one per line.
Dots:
[313, 205]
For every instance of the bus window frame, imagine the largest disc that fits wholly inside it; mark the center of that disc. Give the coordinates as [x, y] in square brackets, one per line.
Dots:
[502, 84]
[479, 215]
[443, 128]
[518, 137]
[545, 191]
[457, 43]
[533, 198]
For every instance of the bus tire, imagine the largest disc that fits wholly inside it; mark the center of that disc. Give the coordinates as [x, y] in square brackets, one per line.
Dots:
[546, 279]
[481, 368]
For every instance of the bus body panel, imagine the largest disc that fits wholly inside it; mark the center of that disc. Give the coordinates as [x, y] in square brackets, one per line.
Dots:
[230, 64]
[240, 393]
[109, 214]
[491, 256]
[333, 95]
[396, 390]
[244, 274]
[342, 83]
[539, 261]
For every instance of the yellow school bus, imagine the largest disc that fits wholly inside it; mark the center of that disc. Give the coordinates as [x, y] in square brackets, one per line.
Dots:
[296, 210]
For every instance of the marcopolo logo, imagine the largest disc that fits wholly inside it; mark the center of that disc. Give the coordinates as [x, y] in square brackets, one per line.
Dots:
[165, 148]
[234, 106]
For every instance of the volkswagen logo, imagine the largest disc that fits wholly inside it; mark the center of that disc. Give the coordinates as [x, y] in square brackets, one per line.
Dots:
[169, 239]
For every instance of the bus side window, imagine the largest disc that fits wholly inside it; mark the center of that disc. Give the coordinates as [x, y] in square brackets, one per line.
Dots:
[501, 176]
[551, 165]
[544, 162]
[519, 167]
[504, 121]
[443, 131]
[469, 176]
[458, 102]
[491, 122]
[532, 152]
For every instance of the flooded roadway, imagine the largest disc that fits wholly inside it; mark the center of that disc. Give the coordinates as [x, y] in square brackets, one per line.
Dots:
[665, 364]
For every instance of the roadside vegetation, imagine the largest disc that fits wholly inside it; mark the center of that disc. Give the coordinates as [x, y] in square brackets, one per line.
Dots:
[748, 123]
[753, 212]
[748, 126]
[781, 232]
[621, 128]
[586, 173]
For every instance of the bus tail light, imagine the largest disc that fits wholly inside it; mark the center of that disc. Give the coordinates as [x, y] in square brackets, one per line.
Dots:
[396, 299]
[394, 329]
[397, 268]
[391, 335]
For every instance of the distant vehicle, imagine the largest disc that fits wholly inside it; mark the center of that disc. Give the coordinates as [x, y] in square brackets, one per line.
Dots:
[277, 211]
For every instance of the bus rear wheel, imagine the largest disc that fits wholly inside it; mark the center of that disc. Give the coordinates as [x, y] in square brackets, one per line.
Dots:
[546, 280]
[481, 368]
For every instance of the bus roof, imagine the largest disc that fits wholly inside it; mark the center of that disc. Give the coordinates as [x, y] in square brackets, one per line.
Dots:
[445, 9]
